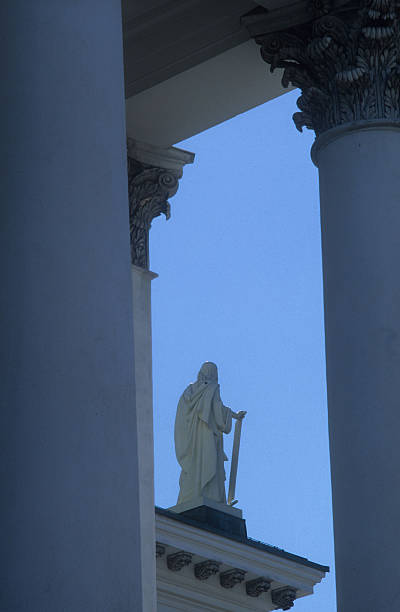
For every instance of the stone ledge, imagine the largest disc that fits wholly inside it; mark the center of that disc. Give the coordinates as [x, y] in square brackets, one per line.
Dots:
[212, 515]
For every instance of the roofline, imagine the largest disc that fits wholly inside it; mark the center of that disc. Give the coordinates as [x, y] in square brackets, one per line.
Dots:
[274, 550]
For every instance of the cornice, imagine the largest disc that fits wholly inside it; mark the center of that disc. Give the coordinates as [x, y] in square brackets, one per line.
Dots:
[282, 17]
[237, 555]
[251, 542]
[169, 158]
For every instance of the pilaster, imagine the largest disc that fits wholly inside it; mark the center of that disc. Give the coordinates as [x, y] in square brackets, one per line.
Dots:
[153, 175]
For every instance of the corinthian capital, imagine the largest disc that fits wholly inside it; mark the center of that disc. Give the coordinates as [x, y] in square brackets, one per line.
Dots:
[153, 178]
[345, 60]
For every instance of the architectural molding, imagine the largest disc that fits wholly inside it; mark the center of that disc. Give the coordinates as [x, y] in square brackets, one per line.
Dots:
[231, 577]
[335, 133]
[255, 587]
[163, 39]
[283, 598]
[205, 585]
[280, 570]
[205, 569]
[178, 560]
[345, 60]
[259, 567]
[153, 178]
[181, 592]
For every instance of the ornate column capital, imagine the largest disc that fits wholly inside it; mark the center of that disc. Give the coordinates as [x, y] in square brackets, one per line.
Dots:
[345, 60]
[153, 178]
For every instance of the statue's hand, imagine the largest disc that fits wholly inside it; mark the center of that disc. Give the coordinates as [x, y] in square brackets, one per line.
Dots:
[239, 415]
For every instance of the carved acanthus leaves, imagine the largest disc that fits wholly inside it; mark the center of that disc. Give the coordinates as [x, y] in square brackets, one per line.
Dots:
[231, 577]
[255, 587]
[149, 190]
[205, 569]
[346, 63]
[176, 561]
[283, 598]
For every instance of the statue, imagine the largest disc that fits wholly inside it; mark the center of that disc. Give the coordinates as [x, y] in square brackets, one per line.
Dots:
[201, 421]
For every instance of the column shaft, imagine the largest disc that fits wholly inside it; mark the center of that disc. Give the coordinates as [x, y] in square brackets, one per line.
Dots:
[141, 284]
[69, 465]
[360, 215]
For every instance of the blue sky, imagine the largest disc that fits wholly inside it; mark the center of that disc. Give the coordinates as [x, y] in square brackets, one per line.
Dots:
[241, 284]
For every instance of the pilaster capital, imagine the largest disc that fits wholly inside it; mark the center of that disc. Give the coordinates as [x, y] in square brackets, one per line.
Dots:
[153, 178]
[345, 60]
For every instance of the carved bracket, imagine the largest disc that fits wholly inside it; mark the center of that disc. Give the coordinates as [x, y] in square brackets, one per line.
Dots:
[176, 561]
[255, 587]
[231, 577]
[346, 61]
[205, 569]
[283, 598]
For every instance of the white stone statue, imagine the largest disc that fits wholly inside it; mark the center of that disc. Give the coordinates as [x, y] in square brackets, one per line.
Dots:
[201, 421]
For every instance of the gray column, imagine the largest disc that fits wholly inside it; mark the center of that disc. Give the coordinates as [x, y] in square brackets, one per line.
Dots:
[154, 175]
[346, 64]
[360, 218]
[69, 466]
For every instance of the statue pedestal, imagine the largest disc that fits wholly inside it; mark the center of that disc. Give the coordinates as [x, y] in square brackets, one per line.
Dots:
[214, 516]
[206, 501]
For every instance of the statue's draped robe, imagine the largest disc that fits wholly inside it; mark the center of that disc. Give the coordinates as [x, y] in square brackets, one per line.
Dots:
[201, 420]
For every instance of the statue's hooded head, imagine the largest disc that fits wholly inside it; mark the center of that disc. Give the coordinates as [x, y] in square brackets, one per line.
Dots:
[208, 373]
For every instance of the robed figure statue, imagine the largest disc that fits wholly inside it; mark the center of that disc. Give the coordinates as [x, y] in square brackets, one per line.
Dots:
[201, 421]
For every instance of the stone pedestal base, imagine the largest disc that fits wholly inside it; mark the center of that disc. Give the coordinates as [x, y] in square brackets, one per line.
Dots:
[205, 501]
[214, 515]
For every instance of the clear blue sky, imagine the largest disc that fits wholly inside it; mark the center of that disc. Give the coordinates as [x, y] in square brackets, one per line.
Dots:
[241, 285]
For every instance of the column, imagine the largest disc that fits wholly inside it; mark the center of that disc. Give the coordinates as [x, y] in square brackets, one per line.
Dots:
[346, 63]
[154, 175]
[69, 466]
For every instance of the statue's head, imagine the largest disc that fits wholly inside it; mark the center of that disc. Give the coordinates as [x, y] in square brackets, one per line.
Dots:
[208, 373]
